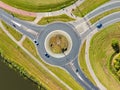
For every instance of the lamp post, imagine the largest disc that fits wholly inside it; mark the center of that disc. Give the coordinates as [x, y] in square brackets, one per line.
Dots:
[83, 17]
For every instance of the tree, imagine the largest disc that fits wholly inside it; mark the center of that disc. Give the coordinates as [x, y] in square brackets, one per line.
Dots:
[115, 46]
[117, 64]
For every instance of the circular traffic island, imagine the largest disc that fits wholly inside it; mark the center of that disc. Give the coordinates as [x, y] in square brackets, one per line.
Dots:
[58, 43]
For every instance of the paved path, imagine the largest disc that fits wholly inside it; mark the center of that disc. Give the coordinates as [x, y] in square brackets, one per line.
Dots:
[67, 11]
[15, 10]
[103, 8]
[59, 25]
[34, 58]
[108, 20]
[22, 39]
[104, 20]
[101, 87]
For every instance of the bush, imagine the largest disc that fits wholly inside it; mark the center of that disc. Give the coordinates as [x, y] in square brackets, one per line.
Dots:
[115, 45]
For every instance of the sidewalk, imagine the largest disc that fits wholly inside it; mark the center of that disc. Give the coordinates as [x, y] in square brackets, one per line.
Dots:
[15, 10]
[99, 84]
[39, 15]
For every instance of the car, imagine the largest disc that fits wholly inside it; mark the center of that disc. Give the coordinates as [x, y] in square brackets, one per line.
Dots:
[36, 42]
[76, 70]
[47, 55]
[99, 25]
[14, 25]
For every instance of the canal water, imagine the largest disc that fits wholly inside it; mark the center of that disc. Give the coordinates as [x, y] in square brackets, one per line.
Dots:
[11, 80]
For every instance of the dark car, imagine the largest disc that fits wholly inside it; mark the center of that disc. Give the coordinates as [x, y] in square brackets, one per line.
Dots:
[99, 25]
[14, 25]
[47, 55]
[36, 42]
[76, 70]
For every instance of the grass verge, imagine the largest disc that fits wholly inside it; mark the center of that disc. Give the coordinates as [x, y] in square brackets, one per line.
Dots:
[87, 6]
[22, 72]
[83, 65]
[115, 65]
[12, 52]
[100, 54]
[62, 17]
[63, 75]
[29, 45]
[40, 5]
[22, 17]
[95, 19]
[12, 31]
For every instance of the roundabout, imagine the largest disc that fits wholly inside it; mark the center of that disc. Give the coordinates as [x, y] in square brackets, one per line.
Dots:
[61, 42]
[72, 41]
[67, 60]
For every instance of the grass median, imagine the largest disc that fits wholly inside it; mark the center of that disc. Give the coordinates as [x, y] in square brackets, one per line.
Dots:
[12, 31]
[63, 75]
[40, 5]
[62, 17]
[12, 52]
[22, 17]
[95, 19]
[87, 6]
[83, 65]
[100, 53]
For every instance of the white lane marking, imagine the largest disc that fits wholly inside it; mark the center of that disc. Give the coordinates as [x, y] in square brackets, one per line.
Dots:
[16, 23]
[29, 30]
[74, 69]
[25, 28]
[79, 76]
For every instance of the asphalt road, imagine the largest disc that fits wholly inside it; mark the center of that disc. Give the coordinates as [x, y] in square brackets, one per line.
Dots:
[103, 8]
[106, 21]
[69, 62]
[75, 40]
[42, 33]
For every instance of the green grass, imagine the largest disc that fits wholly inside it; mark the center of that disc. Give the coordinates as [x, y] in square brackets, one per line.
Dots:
[39, 5]
[12, 31]
[22, 17]
[62, 17]
[83, 65]
[87, 6]
[58, 48]
[14, 53]
[95, 19]
[29, 45]
[100, 54]
[63, 75]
